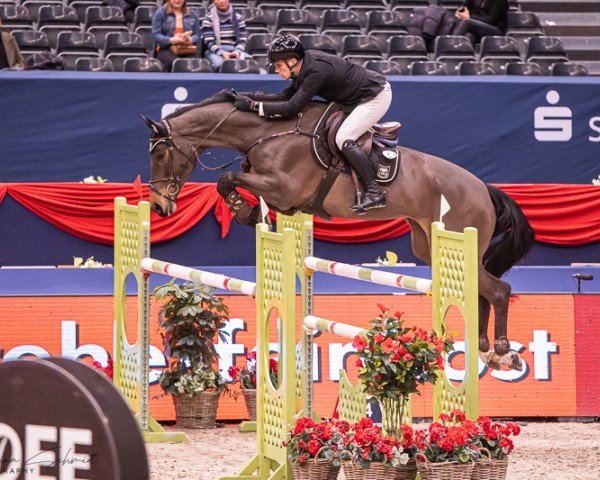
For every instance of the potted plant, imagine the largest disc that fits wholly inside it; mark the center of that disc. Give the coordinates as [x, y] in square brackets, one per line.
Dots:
[395, 360]
[448, 449]
[246, 376]
[495, 443]
[314, 448]
[191, 316]
[368, 454]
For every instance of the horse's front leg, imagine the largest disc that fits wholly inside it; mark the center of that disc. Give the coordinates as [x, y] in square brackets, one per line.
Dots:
[259, 185]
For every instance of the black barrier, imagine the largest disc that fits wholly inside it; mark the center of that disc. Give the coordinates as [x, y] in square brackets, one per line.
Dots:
[62, 419]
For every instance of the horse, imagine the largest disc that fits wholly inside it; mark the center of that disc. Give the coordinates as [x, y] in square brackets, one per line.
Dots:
[280, 168]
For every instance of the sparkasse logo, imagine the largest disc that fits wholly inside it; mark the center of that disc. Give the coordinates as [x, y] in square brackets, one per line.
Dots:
[554, 123]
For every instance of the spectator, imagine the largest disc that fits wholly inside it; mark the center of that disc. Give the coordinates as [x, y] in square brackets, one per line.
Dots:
[176, 30]
[223, 34]
[10, 55]
[480, 18]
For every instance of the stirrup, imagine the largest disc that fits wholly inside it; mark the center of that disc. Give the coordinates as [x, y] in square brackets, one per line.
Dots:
[358, 206]
[371, 203]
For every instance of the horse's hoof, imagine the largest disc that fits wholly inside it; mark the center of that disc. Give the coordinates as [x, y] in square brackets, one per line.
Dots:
[502, 346]
[512, 361]
[491, 359]
[484, 343]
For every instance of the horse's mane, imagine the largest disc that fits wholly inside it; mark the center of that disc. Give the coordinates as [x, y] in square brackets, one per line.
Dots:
[223, 96]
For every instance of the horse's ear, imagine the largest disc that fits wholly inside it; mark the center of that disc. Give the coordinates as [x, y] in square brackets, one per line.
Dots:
[156, 127]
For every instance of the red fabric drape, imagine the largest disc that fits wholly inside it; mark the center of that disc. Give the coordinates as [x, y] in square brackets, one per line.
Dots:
[559, 214]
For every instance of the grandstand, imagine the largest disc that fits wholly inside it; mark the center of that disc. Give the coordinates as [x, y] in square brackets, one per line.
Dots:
[544, 37]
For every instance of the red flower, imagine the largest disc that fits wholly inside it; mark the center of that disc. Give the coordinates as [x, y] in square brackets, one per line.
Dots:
[359, 363]
[359, 343]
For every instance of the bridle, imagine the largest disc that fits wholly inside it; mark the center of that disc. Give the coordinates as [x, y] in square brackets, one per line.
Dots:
[173, 181]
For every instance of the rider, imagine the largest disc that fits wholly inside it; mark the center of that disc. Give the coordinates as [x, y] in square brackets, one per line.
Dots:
[364, 94]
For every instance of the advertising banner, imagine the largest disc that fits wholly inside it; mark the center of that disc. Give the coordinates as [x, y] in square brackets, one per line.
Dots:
[555, 335]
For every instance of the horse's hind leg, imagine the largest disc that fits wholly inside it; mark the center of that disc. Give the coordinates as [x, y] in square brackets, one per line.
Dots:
[421, 246]
[497, 293]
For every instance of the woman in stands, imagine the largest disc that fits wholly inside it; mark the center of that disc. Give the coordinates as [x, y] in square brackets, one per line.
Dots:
[176, 30]
[364, 94]
[481, 18]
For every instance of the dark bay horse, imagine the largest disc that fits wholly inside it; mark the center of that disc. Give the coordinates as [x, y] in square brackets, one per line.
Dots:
[284, 173]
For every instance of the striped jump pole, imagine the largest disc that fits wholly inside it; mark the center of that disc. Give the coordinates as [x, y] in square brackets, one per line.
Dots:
[210, 279]
[379, 277]
[337, 328]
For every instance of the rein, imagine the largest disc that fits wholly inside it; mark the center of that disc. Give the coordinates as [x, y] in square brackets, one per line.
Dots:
[174, 182]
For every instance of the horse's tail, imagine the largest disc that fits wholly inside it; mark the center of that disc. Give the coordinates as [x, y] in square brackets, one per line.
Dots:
[513, 235]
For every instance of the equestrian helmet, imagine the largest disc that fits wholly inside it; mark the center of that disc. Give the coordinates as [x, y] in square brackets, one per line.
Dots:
[284, 47]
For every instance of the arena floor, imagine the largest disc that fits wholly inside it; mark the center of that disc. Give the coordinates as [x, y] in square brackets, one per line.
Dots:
[543, 451]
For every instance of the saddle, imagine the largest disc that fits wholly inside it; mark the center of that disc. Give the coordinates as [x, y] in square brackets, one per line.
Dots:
[379, 143]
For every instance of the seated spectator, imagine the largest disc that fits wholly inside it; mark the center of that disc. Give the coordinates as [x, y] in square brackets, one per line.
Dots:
[10, 55]
[480, 18]
[176, 30]
[223, 34]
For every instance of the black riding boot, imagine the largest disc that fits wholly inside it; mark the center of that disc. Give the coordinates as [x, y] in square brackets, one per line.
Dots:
[357, 158]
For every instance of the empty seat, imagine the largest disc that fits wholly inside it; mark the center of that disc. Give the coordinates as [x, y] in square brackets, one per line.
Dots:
[428, 68]
[383, 24]
[94, 64]
[408, 5]
[81, 7]
[452, 50]
[522, 68]
[270, 8]
[80, 42]
[361, 46]
[339, 23]
[255, 20]
[58, 15]
[191, 65]
[296, 20]
[569, 69]
[475, 68]
[317, 7]
[498, 51]
[406, 45]
[258, 46]
[143, 16]
[405, 62]
[31, 41]
[146, 33]
[240, 66]
[523, 23]
[368, 5]
[120, 46]
[545, 51]
[318, 41]
[15, 17]
[34, 6]
[384, 67]
[144, 65]
[99, 21]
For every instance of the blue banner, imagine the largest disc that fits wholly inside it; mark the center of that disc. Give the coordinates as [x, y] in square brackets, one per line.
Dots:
[64, 126]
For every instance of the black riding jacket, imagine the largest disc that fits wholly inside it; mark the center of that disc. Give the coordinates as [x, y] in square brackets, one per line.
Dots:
[326, 76]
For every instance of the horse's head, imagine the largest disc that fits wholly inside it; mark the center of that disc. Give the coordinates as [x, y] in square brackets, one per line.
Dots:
[170, 166]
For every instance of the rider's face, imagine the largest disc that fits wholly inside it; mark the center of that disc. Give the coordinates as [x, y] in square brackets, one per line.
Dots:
[282, 69]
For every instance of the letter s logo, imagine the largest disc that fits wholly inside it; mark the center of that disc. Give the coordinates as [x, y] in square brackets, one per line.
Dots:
[553, 124]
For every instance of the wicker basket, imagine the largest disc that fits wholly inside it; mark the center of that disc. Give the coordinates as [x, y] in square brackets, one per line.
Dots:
[315, 469]
[197, 411]
[378, 471]
[445, 470]
[490, 469]
[250, 396]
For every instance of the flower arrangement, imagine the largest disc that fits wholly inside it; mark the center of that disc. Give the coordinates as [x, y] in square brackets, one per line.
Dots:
[453, 438]
[365, 443]
[311, 440]
[191, 317]
[395, 359]
[247, 374]
[494, 437]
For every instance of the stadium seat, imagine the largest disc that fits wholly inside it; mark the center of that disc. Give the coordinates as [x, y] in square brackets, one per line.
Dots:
[120, 46]
[33, 7]
[546, 51]
[451, 5]
[408, 5]
[452, 50]
[142, 16]
[255, 20]
[318, 41]
[143, 65]
[475, 68]
[339, 23]
[428, 68]
[239, 66]
[31, 41]
[317, 7]
[58, 16]
[523, 23]
[191, 65]
[364, 47]
[383, 24]
[498, 51]
[270, 8]
[15, 17]
[406, 45]
[569, 69]
[258, 46]
[384, 67]
[100, 21]
[521, 68]
[81, 7]
[299, 21]
[94, 64]
[76, 42]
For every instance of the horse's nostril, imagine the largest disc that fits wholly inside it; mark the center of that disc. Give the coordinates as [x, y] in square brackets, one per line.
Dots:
[157, 208]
